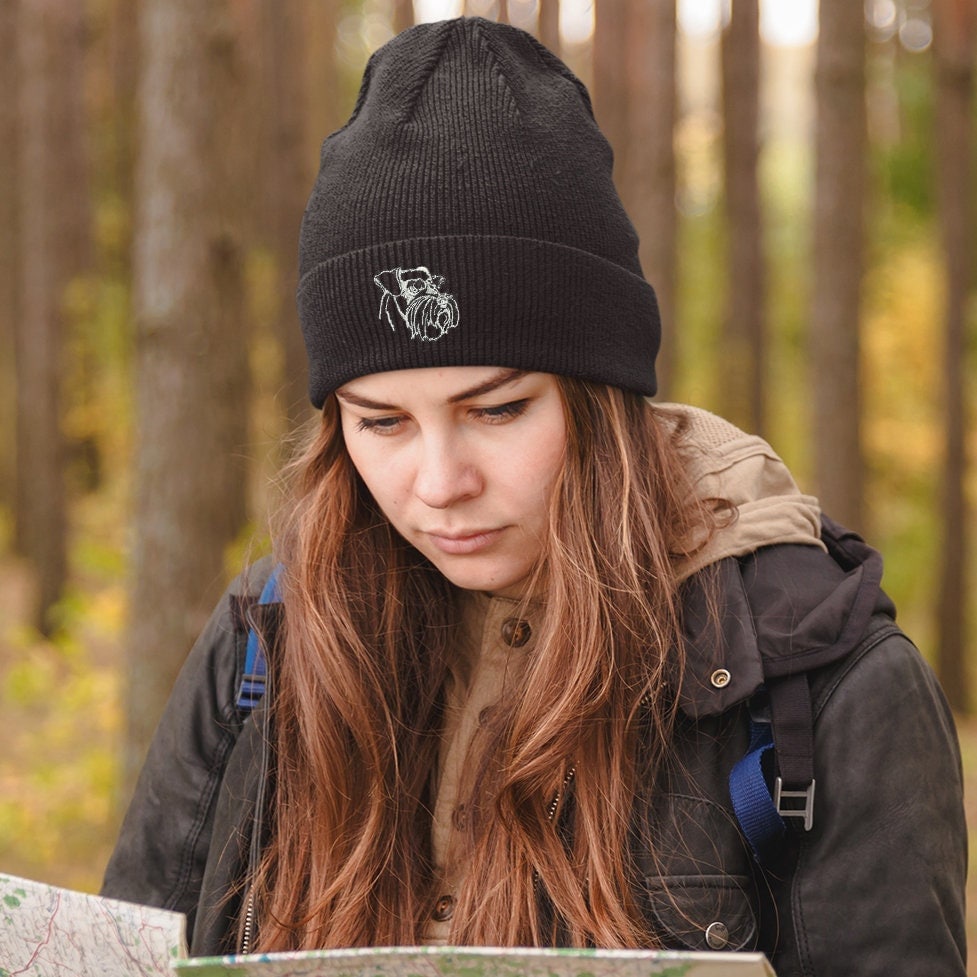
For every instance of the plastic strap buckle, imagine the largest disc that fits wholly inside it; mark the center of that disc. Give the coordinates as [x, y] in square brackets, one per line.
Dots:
[792, 809]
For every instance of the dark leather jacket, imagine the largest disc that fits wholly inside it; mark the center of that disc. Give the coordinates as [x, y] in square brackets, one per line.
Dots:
[874, 888]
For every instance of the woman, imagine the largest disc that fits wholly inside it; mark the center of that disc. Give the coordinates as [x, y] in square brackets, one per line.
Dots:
[529, 624]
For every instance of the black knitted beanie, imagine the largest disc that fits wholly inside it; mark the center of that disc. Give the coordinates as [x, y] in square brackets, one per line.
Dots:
[465, 216]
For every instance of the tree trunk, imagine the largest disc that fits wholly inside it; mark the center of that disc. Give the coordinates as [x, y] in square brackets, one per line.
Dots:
[286, 181]
[125, 67]
[838, 259]
[955, 25]
[53, 228]
[742, 361]
[9, 251]
[330, 107]
[549, 24]
[648, 175]
[191, 374]
[403, 15]
[610, 85]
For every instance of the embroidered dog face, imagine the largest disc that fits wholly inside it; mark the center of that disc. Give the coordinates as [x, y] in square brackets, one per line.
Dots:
[418, 299]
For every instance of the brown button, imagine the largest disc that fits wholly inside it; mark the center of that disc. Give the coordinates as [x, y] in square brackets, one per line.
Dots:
[459, 817]
[444, 909]
[485, 715]
[515, 632]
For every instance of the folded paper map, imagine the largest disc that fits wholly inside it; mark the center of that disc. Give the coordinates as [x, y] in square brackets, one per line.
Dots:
[441, 961]
[50, 932]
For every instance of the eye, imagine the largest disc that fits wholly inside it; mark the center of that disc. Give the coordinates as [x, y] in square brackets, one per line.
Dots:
[501, 412]
[379, 425]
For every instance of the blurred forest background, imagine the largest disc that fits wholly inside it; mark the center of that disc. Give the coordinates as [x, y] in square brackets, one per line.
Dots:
[801, 174]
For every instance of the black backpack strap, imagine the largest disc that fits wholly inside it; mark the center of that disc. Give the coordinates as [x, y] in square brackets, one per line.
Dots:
[792, 722]
[781, 728]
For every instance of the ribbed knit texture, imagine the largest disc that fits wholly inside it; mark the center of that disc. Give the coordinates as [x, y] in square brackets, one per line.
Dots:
[473, 182]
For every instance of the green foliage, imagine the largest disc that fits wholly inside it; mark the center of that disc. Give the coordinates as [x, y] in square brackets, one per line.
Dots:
[785, 178]
[902, 159]
[699, 310]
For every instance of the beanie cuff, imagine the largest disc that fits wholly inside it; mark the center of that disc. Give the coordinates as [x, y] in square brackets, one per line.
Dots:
[474, 300]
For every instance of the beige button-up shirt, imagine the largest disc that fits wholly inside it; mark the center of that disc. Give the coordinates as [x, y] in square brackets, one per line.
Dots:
[494, 645]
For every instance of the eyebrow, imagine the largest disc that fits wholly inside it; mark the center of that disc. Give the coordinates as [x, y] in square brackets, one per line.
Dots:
[493, 383]
[500, 379]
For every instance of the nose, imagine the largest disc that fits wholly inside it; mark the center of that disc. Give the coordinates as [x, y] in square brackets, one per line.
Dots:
[446, 473]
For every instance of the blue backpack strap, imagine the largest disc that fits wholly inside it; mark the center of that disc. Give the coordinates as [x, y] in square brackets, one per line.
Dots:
[255, 677]
[762, 816]
[754, 808]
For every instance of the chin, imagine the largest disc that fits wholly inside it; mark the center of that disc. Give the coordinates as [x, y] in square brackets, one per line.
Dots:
[498, 585]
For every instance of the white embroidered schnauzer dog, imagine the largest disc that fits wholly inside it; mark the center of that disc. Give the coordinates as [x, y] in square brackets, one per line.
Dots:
[418, 298]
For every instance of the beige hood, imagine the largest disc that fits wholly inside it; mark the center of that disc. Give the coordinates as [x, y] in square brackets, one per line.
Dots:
[742, 469]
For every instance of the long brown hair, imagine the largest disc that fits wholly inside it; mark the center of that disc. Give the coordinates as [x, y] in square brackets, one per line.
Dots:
[358, 697]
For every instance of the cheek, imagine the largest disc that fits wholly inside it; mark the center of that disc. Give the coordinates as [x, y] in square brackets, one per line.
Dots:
[540, 469]
[375, 467]
[551, 452]
[383, 480]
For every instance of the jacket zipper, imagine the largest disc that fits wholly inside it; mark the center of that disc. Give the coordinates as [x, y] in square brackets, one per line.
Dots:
[551, 811]
[248, 935]
[254, 855]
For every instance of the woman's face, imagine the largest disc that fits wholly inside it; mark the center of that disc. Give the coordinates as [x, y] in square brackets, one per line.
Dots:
[462, 460]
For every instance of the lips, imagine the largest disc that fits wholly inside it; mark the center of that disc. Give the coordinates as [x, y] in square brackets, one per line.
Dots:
[461, 544]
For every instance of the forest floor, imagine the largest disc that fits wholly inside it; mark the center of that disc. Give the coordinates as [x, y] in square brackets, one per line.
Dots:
[62, 721]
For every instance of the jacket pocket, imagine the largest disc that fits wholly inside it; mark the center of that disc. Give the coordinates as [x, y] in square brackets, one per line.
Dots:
[702, 912]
